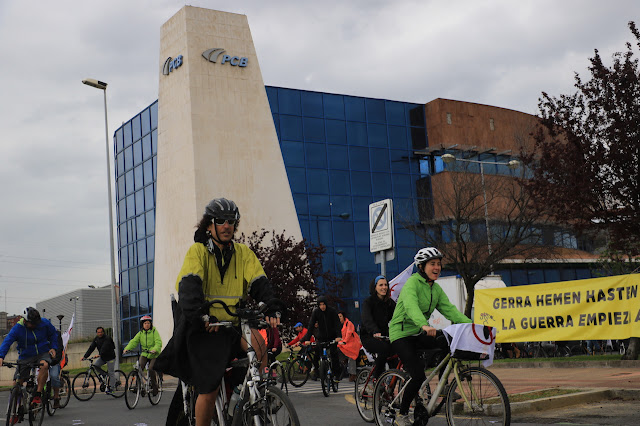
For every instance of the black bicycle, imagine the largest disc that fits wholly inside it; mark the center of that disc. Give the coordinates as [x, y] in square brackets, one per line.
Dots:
[64, 393]
[328, 379]
[84, 383]
[21, 398]
[299, 366]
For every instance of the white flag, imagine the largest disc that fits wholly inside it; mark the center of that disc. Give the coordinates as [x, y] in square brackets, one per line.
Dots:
[396, 284]
[67, 334]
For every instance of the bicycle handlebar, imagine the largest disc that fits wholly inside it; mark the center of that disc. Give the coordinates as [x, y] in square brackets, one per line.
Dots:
[18, 363]
[243, 313]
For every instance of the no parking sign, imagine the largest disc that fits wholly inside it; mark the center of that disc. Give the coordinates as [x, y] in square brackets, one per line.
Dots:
[381, 226]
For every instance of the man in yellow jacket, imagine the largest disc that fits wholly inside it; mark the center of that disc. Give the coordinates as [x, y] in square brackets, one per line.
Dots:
[151, 344]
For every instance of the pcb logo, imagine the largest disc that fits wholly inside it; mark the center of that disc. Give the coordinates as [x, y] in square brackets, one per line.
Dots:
[212, 55]
[171, 64]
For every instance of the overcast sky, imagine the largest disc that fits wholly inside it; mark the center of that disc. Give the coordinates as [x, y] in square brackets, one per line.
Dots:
[53, 206]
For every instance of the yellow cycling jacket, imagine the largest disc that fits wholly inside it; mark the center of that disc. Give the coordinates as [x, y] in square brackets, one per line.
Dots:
[244, 269]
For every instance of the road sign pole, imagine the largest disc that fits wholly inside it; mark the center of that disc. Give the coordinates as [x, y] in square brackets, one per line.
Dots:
[383, 264]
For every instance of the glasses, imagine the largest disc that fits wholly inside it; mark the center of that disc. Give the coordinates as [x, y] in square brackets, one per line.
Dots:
[219, 221]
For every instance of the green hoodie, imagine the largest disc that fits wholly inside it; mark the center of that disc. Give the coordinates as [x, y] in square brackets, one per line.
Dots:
[415, 305]
[149, 340]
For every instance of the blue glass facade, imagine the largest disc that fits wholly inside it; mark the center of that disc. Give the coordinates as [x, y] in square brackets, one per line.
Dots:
[341, 153]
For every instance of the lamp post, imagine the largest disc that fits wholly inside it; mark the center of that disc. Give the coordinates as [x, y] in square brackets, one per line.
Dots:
[60, 319]
[114, 310]
[513, 164]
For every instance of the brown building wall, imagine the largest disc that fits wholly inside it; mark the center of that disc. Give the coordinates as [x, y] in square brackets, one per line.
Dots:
[471, 125]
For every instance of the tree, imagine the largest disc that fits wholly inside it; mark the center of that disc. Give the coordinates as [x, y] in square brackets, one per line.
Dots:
[295, 270]
[458, 223]
[586, 160]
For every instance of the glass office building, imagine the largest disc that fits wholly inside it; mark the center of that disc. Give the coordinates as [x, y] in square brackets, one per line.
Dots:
[341, 153]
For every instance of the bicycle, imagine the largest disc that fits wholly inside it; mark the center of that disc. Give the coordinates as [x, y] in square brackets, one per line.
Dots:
[84, 383]
[20, 399]
[140, 385]
[364, 386]
[253, 402]
[300, 365]
[276, 374]
[327, 379]
[484, 399]
[64, 393]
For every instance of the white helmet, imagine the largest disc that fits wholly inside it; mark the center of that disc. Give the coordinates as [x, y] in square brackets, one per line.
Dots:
[426, 254]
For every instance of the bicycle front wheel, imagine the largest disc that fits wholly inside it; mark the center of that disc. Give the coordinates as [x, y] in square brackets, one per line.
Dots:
[65, 390]
[324, 378]
[298, 372]
[273, 408]
[364, 394]
[483, 399]
[117, 388]
[277, 376]
[36, 412]
[133, 390]
[387, 396]
[155, 399]
[84, 386]
[13, 416]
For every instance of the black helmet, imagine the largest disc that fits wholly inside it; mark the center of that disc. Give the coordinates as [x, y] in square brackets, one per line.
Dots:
[221, 208]
[32, 315]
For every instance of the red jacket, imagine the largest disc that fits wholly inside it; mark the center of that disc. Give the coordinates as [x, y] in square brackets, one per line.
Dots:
[300, 336]
[352, 345]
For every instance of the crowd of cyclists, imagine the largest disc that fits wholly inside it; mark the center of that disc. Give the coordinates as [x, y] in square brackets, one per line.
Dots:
[218, 268]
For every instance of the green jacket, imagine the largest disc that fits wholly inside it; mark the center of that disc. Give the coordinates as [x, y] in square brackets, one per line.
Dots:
[415, 305]
[149, 340]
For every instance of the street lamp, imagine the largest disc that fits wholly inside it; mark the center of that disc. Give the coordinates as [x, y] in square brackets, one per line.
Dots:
[60, 319]
[114, 311]
[513, 164]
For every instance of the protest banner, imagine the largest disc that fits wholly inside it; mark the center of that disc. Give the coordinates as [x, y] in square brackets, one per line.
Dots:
[593, 309]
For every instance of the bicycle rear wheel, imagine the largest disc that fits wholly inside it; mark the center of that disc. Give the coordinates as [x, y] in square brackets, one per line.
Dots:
[12, 408]
[133, 390]
[65, 390]
[324, 377]
[36, 412]
[118, 388]
[363, 394]
[273, 408]
[47, 399]
[84, 386]
[155, 399]
[298, 372]
[387, 396]
[484, 400]
[277, 376]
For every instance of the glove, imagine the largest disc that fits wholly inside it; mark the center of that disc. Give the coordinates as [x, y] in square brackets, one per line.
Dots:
[275, 307]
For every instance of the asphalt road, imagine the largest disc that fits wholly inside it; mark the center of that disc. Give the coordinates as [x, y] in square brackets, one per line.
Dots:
[314, 409]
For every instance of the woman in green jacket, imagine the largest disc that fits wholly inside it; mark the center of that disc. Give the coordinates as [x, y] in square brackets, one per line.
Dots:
[409, 329]
[151, 344]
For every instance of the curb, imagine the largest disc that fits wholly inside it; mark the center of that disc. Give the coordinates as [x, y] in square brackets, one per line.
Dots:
[562, 401]
[569, 364]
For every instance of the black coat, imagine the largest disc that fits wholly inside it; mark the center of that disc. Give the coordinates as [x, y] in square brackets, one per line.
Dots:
[106, 348]
[329, 326]
[376, 315]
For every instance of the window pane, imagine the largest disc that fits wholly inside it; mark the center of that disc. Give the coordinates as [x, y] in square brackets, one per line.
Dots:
[333, 106]
[361, 183]
[395, 113]
[150, 279]
[418, 138]
[377, 135]
[402, 185]
[139, 202]
[318, 181]
[293, 153]
[316, 155]
[297, 179]
[379, 159]
[358, 158]
[127, 134]
[336, 132]
[272, 95]
[319, 205]
[400, 161]
[124, 282]
[338, 157]
[151, 248]
[142, 276]
[148, 197]
[138, 177]
[143, 300]
[142, 251]
[120, 163]
[312, 104]
[140, 225]
[128, 158]
[131, 207]
[343, 232]
[354, 108]
[137, 152]
[145, 121]
[291, 128]
[146, 147]
[288, 101]
[154, 141]
[381, 185]
[357, 134]
[416, 115]
[148, 172]
[135, 128]
[133, 279]
[313, 130]
[375, 110]
[341, 206]
[154, 115]
[119, 141]
[150, 222]
[340, 183]
[301, 203]
[398, 137]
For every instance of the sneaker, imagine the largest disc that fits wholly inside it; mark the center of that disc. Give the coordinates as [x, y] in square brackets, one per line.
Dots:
[154, 392]
[403, 420]
[56, 403]
[109, 391]
[36, 400]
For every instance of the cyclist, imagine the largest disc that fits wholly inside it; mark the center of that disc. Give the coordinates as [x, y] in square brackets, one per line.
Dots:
[329, 328]
[37, 341]
[151, 345]
[377, 311]
[54, 371]
[301, 331]
[107, 355]
[419, 296]
[349, 346]
[215, 267]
